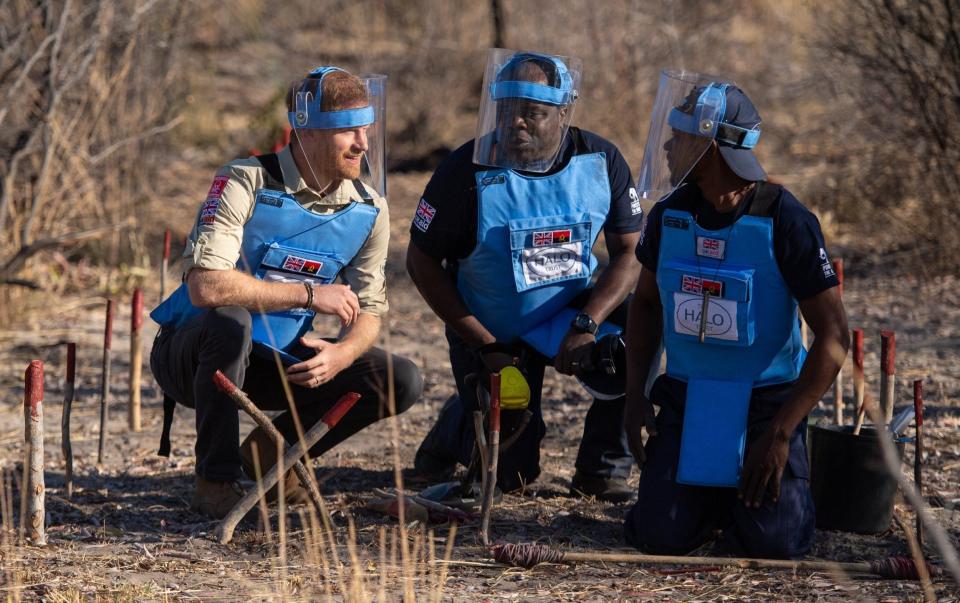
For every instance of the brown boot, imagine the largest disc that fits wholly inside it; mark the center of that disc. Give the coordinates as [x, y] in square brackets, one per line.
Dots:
[215, 499]
[294, 492]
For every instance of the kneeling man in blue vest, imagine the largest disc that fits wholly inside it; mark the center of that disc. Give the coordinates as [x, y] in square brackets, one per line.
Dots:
[501, 248]
[728, 257]
[273, 235]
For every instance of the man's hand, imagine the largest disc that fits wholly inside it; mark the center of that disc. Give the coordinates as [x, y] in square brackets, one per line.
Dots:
[638, 414]
[337, 300]
[763, 467]
[331, 358]
[574, 353]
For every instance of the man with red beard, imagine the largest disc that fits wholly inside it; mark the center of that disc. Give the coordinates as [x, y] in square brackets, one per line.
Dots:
[280, 238]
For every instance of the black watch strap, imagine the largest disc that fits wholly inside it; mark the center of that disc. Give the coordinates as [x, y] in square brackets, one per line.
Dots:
[584, 323]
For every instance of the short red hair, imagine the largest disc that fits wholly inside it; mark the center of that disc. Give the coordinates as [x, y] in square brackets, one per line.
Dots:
[341, 90]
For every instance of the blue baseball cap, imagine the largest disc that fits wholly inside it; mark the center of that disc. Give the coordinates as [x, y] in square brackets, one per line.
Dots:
[723, 112]
[740, 118]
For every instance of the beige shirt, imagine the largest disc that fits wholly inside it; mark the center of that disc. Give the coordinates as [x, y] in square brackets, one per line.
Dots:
[214, 242]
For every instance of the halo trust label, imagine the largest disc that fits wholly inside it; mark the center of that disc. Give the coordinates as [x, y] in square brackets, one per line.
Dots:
[547, 263]
[721, 316]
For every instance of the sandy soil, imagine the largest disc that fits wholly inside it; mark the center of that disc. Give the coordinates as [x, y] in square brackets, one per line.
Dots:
[127, 533]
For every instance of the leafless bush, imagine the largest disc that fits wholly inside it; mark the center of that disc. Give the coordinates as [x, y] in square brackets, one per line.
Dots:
[86, 91]
[898, 73]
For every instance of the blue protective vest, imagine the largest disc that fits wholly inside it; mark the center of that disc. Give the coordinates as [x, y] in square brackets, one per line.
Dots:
[285, 242]
[752, 335]
[539, 230]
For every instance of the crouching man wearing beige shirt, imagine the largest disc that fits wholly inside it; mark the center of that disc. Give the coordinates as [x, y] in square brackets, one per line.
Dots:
[274, 235]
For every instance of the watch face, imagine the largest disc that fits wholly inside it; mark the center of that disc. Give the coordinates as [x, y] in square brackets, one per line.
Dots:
[583, 322]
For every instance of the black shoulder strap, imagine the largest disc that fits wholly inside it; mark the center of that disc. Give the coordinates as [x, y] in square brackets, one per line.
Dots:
[362, 191]
[763, 198]
[271, 164]
[169, 404]
[579, 142]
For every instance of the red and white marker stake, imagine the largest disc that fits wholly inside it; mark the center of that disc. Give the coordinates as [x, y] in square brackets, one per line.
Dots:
[289, 458]
[838, 269]
[858, 378]
[918, 449]
[164, 264]
[65, 446]
[136, 359]
[838, 381]
[105, 380]
[33, 463]
[888, 381]
[494, 455]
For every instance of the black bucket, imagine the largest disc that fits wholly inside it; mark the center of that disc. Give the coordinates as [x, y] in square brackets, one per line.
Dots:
[852, 488]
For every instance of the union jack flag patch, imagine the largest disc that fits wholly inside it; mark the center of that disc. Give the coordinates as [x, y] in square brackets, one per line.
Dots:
[293, 263]
[425, 214]
[711, 248]
[208, 212]
[551, 237]
[696, 286]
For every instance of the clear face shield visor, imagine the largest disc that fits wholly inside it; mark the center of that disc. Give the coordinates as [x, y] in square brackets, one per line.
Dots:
[347, 143]
[686, 115]
[526, 109]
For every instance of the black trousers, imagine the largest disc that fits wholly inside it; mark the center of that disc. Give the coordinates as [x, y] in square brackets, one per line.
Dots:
[603, 448]
[670, 518]
[184, 360]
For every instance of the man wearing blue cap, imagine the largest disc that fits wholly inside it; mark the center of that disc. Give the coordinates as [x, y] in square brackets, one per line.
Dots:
[727, 259]
[268, 246]
[501, 249]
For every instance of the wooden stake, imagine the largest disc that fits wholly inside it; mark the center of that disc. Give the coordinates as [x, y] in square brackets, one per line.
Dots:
[918, 449]
[493, 455]
[105, 381]
[164, 264]
[838, 269]
[481, 447]
[529, 555]
[33, 463]
[858, 378]
[838, 398]
[293, 453]
[838, 381]
[65, 446]
[136, 359]
[888, 349]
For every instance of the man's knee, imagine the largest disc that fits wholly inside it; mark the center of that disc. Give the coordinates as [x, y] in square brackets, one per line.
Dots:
[230, 325]
[660, 533]
[407, 383]
[784, 532]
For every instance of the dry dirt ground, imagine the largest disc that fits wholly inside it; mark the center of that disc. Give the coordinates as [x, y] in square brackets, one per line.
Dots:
[127, 533]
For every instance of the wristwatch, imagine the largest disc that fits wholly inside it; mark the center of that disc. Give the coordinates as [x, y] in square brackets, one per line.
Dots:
[584, 324]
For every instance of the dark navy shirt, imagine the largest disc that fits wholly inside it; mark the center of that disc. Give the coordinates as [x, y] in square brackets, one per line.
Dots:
[801, 255]
[445, 223]
[798, 243]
